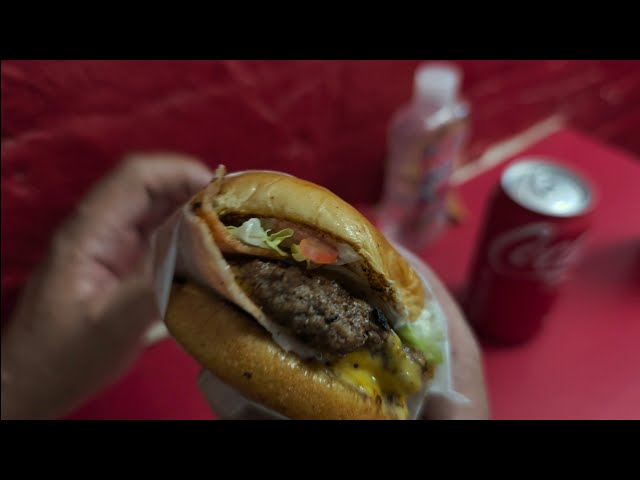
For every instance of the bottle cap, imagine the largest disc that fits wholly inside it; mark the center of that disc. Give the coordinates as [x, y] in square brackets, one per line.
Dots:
[437, 82]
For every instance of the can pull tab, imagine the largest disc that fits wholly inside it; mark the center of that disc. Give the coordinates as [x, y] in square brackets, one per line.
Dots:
[542, 184]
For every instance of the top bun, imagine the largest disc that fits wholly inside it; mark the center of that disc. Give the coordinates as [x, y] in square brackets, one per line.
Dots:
[281, 196]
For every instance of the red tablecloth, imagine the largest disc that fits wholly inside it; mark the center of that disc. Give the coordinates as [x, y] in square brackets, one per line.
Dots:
[584, 364]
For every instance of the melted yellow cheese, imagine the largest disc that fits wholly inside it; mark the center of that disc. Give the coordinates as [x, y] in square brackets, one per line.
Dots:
[390, 372]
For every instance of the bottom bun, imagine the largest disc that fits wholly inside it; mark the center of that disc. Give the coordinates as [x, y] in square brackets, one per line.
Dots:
[242, 354]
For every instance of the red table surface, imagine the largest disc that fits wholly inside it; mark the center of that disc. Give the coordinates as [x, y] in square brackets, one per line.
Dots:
[583, 364]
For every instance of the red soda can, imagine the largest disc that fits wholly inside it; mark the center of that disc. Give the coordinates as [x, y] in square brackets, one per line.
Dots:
[533, 234]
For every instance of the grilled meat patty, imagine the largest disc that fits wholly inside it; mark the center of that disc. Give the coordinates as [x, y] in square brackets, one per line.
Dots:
[316, 309]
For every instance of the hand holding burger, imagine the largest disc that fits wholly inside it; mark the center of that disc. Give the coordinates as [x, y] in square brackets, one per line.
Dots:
[81, 317]
[293, 299]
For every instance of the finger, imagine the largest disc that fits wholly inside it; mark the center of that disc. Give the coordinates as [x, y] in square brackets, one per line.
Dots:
[128, 312]
[140, 193]
[466, 364]
[459, 331]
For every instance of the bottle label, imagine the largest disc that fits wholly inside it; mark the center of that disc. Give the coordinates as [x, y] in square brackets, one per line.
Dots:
[435, 166]
[417, 184]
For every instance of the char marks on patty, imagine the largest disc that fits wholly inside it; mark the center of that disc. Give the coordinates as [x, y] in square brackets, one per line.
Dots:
[315, 308]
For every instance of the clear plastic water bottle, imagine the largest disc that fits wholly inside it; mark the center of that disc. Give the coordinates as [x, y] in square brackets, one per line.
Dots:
[425, 138]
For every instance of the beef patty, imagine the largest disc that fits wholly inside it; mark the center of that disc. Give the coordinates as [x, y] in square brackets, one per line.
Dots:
[316, 309]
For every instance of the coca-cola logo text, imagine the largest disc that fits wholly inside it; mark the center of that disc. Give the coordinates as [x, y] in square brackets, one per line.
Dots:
[534, 251]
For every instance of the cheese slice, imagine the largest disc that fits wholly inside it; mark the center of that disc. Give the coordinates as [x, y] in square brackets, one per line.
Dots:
[389, 372]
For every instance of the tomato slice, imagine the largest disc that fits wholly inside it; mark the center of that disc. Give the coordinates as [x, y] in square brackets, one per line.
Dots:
[317, 251]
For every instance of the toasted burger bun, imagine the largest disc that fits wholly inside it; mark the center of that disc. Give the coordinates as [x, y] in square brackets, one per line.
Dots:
[276, 195]
[259, 358]
[237, 350]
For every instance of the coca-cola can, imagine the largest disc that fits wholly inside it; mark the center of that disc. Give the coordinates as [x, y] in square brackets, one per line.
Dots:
[533, 234]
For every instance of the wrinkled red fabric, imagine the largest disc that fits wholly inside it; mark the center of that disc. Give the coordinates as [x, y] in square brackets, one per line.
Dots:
[66, 123]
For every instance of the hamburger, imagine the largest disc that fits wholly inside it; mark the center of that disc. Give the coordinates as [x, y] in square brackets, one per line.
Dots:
[290, 296]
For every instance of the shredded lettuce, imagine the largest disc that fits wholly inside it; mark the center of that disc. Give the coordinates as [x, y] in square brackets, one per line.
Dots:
[272, 241]
[252, 233]
[425, 336]
[296, 254]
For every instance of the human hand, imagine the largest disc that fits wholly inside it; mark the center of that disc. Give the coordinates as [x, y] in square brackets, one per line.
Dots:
[466, 364]
[81, 318]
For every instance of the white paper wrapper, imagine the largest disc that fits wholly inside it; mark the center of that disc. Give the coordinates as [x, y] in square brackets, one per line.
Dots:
[225, 401]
